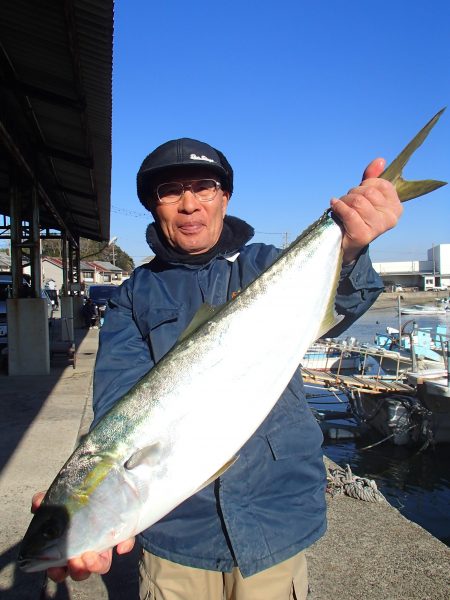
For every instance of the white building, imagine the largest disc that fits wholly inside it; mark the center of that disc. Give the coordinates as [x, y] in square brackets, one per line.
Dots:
[421, 274]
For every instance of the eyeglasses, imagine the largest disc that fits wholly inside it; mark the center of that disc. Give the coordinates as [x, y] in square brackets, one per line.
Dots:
[204, 190]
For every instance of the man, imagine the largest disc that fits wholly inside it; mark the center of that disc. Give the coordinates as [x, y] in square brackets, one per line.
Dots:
[90, 314]
[244, 535]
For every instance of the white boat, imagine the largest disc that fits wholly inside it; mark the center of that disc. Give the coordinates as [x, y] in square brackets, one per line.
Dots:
[330, 355]
[420, 309]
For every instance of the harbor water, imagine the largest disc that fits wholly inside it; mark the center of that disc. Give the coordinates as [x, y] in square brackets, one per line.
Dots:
[415, 481]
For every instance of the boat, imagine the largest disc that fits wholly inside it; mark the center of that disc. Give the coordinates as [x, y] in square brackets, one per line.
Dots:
[331, 355]
[433, 392]
[419, 349]
[420, 309]
[421, 415]
[399, 418]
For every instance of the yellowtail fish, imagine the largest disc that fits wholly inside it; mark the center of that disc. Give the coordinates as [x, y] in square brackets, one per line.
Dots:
[183, 424]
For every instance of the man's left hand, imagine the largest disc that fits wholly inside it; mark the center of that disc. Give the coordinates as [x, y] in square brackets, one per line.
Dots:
[367, 210]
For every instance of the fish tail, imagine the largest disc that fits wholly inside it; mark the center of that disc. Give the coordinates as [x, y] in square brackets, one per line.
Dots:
[407, 190]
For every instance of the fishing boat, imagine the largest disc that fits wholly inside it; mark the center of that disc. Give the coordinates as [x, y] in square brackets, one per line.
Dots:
[433, 392]
[331, 355]
[421, 348]
[421, 415]
[420, 309]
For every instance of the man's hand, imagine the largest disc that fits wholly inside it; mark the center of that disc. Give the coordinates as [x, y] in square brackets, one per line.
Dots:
[367, 211]
[81, 567]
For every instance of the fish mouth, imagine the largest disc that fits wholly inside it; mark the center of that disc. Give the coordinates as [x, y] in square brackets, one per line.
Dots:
[41, 562]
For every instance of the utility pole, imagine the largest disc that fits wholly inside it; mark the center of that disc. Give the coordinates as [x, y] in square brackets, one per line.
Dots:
[434, 266]
[112, 242]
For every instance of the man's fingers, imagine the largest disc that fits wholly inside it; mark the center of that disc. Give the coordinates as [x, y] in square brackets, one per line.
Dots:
[126, 546]
[36, 501]
[97, 563]
[374, 169]
[57, 574]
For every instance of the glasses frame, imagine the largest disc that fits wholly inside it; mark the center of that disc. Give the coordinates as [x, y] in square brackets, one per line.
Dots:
[188, 186]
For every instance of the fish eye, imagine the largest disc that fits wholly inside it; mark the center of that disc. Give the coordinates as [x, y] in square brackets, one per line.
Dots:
[51, 530]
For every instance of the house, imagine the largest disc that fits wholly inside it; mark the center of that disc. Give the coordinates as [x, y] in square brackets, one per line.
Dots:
[106, 272]
[90, 272]
[429, 274]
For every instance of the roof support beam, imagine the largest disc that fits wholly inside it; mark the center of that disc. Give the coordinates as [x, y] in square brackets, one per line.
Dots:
[83, 161]
[33, 91]
[74, 192]
[15, 152]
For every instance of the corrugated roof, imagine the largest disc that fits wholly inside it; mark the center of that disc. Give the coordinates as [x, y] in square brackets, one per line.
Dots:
[105, 265]
[56, 110]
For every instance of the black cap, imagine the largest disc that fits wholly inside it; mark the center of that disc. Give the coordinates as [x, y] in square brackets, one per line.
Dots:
[181, 153]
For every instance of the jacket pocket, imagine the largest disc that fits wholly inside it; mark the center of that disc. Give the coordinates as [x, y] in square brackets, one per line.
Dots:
[298, 439]
[163, 330]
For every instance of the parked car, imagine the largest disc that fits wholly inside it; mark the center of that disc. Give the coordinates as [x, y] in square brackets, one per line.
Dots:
[438, 288]
[100, 294]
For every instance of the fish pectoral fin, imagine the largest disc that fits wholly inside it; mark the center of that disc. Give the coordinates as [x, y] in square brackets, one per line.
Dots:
[220, 472]
[149, 455]
[204, 314]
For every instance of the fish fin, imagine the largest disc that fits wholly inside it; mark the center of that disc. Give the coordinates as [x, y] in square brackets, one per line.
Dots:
[412, 189]
[148, 455]
[220, 472]
[204, 314]
[407, 190]
[331, 317]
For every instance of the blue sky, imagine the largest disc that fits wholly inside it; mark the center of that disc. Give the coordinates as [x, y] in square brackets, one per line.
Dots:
[300, 96]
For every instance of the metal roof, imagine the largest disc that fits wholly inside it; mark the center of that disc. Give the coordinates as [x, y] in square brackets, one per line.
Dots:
[55, 111]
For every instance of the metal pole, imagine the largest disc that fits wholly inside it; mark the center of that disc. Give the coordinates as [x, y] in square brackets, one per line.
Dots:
[36, 277]
[413, 349]
[64, 264]
[434, 267]
[447, 355]
[16, 251]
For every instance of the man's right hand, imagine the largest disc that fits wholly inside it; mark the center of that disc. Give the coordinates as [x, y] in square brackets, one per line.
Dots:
[81, 567]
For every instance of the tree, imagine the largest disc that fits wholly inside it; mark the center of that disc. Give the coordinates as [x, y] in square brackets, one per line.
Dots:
[91, 250]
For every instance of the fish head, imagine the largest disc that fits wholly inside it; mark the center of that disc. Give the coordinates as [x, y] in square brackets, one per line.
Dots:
[44, 544]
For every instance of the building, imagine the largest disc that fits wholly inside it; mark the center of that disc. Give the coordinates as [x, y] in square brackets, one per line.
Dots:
[429, 274]
[91, 272]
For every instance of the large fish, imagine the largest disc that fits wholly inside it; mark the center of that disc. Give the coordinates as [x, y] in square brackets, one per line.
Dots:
[183, 424]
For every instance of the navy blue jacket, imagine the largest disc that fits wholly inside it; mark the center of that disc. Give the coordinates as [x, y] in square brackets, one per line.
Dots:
[271, 503]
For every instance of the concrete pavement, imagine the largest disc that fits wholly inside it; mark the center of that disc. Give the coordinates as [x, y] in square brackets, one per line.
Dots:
[370, 551]
[42, 418]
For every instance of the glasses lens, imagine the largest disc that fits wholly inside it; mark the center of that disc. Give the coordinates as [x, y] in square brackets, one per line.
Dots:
[170, 192]
[204, 189]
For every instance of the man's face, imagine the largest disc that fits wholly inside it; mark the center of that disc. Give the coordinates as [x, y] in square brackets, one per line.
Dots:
[190, 225]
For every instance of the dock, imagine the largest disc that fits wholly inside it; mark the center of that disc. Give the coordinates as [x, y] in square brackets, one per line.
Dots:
[362, 383]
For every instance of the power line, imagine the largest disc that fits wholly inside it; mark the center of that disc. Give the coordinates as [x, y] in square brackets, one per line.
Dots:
[128, 213]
